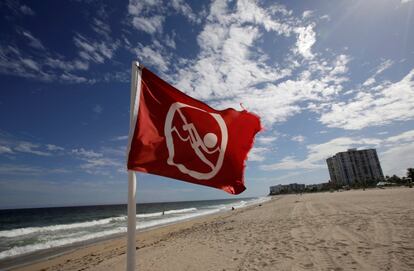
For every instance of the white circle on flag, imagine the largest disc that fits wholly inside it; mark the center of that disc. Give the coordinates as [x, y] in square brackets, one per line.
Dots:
[199, 145]
[210, 140]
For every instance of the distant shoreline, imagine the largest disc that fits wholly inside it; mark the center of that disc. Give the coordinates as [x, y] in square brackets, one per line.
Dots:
[51, 253]
[354, 229]
[115, 204]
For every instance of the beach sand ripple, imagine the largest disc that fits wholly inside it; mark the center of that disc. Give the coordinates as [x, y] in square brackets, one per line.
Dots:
[352, 230]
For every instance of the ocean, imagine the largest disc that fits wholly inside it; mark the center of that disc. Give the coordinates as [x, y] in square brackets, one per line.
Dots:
[24, 231]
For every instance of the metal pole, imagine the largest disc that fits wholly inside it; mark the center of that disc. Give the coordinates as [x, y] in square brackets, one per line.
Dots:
[132, 180]
[131, 251]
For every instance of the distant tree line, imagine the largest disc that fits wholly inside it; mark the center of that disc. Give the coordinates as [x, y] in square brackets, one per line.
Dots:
[408, 180]
[394, 180]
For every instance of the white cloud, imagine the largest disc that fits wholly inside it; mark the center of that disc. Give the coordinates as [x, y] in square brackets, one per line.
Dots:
[265, 139]
[9, 145]
[399, 153]
[28, 147]
[71, 78]
[150, 25]
[325, 17]
[52, 147]
[305, 41]
[291, 163]
[153, 55]
[120, 138]
[231, 68]
[369, 82]
[97, 109]
[149, 15]
[249, 11]
[339, 65]
[181, 7]
[34, 42]
[119, 76]
[101, 27]
[44, 65]
[382, 67]
[257, 154]
[298, 138]
[383, 104]
[10, 169]
[318, 153]
[31, 64]
[67, 66]
[406, 1]
[396, 153]
[106, 162]
[169, 41]
[27, 10]
[86, 153]
[224, 67]
[24, 169]
[115, 151]
[5, 149]
[96, 163]
[307, 13]
[407, 136]
[136, 7]
[96, 51]
[397, 159]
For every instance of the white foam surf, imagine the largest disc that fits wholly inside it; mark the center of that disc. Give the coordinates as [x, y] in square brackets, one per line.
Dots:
[179, 211]
[169, 212]
[57, 243]
[50, 237]
[67, 240]
[169, 220]
[32, 230]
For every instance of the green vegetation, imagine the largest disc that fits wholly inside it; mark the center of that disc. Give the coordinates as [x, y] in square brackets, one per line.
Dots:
[394, 180]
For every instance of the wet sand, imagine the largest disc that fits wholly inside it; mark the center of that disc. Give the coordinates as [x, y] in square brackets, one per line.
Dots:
[351, 230]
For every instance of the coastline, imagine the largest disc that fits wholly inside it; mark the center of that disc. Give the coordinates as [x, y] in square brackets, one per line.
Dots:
[349, 230]
[47, 255]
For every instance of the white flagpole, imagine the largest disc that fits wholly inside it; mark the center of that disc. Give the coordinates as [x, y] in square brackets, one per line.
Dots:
[131, 251]
[132, 181]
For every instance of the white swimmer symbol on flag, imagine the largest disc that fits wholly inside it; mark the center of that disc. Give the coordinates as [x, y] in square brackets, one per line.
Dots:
[199, 145]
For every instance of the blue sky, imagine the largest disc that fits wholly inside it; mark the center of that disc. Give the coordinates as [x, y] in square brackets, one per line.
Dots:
[323, 75]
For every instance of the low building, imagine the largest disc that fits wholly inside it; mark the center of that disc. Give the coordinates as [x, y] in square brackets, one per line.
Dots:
[287, 188]
[318, 187]
[275, 190]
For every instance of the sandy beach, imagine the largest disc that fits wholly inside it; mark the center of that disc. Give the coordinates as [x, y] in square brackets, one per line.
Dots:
[350, 230]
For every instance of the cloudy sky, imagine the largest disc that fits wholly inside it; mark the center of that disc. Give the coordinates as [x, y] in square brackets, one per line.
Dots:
[323, 75]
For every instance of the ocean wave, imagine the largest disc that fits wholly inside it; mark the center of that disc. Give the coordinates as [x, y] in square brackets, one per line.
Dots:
[57, 243]
[168, 220]
[149, 215]
[179, 211]
[66, 240]
[169, 212]
[87, 224]
[240, 204]
[262, 199]
[31, 230]
[243, 203]
[63, 238]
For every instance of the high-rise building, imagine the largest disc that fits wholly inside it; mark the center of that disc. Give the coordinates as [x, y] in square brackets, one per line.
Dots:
[354, 166]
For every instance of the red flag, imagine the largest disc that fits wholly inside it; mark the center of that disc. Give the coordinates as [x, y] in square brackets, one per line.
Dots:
[182, 138]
